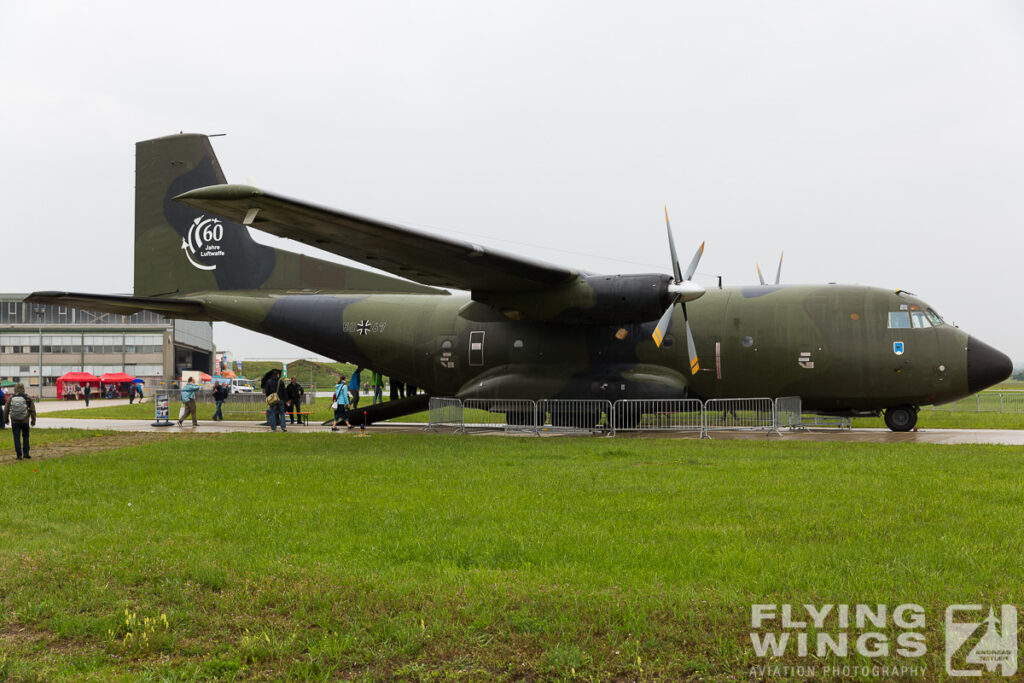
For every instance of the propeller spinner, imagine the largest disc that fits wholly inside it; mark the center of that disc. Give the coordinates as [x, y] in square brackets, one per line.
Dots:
[683, 289]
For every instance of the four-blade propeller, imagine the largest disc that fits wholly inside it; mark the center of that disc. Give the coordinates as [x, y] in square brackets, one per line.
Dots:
[683, 289]
[778, 273]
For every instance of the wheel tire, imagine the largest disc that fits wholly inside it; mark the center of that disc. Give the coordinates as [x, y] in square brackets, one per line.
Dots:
[901, 418]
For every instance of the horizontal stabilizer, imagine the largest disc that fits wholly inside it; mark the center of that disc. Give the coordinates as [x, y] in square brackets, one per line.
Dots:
[125, 305]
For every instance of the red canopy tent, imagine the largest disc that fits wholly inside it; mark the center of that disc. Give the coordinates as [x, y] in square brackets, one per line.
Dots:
[116, 378]
[80, 378]
[120, 379]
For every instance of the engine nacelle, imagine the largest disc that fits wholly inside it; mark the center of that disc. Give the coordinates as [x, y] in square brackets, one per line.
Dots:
[588, 300]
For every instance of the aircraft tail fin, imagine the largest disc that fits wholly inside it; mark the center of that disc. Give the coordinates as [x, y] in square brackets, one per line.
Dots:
[180, 250]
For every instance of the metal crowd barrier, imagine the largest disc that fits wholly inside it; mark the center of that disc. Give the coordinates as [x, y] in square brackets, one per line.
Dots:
[739, 414]
[987, 402]
[826, 421]
[568, 415]
[510, 415]
[445, 413]
[648, 415]
[789, 413]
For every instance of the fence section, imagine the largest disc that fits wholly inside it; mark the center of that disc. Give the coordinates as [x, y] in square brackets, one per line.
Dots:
[508, 414]
[648, 415]
[570, 415]
[987, 402]
[445, 413]
[739, 414]
[789, 413]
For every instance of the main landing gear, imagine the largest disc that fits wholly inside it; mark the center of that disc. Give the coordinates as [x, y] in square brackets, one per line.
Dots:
[901, 418]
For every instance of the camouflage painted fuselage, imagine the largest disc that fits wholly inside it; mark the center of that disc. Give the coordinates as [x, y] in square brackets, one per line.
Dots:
[828, 344]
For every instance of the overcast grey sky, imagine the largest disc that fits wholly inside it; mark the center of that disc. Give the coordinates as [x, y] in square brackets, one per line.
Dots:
[878, 143]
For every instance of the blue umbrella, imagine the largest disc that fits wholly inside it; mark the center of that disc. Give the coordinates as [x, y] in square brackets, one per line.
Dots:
[138, 381]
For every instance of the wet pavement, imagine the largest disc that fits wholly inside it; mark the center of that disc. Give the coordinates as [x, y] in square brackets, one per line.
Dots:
[933, 436]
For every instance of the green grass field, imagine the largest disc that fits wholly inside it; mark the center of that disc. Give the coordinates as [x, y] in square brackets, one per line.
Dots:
[428, 557]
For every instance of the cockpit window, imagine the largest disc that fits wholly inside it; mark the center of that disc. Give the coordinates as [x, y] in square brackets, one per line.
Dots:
[899, 320]
[919, 319]
[934, 317]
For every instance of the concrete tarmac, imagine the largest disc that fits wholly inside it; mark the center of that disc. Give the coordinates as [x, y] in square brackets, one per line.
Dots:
[1009, 437]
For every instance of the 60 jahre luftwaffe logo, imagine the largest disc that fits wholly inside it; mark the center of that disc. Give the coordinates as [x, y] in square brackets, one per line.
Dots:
[203, 241]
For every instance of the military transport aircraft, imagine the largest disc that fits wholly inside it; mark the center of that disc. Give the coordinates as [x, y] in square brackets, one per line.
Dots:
[526, 329]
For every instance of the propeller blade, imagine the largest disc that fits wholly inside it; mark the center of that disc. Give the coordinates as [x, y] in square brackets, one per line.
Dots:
[778, 274]
[694, 361]
[692, 268]
[663, 324]
[759, 276]
[672, 249]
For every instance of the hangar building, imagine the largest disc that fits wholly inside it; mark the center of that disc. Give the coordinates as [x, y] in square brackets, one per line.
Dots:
[144, 344]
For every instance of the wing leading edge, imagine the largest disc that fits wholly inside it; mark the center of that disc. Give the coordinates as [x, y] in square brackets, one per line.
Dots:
[415, 255]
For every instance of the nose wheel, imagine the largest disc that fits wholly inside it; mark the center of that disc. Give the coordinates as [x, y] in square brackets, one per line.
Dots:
[901, 418]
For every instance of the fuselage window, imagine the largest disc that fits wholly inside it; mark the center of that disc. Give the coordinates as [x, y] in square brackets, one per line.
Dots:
[920, 319]
[899, 320]
[934, 317]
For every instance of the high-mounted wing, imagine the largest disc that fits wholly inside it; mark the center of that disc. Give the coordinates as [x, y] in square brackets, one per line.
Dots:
[125, 305]
[418, 256]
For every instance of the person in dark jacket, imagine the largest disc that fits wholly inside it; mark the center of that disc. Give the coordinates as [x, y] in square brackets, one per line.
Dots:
[220, 394]
[3, 403]
[87, 392]
[273, 386]
[20, 412]
[295, 393]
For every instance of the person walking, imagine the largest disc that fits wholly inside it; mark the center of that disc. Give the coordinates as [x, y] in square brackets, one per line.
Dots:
[341, 403]
[20, 412]
[295, 394]
[188, 402]
[131, 394]
[378, 388]
[220, 394]
[87, 392]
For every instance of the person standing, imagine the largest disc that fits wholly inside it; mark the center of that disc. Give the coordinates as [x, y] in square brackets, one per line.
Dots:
[341, 403]
[20, 412]
[282, 400]
[3, 404]
[378, 388]
[220, 394]
[131, 394]
[295, 394]
[87, 392]
[188, 402]
[353, 388]
[272, 389]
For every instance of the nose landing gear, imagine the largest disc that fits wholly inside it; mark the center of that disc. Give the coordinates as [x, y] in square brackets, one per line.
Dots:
[901, 418]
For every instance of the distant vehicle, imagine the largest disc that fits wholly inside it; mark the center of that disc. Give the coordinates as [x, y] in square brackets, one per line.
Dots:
[240, 385]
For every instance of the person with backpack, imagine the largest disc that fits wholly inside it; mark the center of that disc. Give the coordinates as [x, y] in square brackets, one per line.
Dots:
[20, 412]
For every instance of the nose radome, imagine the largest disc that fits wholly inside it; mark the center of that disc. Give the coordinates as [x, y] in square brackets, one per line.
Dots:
[985, 365]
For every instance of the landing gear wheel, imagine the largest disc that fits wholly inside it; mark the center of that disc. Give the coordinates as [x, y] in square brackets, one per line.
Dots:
[901, 418]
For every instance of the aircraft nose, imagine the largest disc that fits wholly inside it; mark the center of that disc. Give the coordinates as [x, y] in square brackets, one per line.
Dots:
[985, 365]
